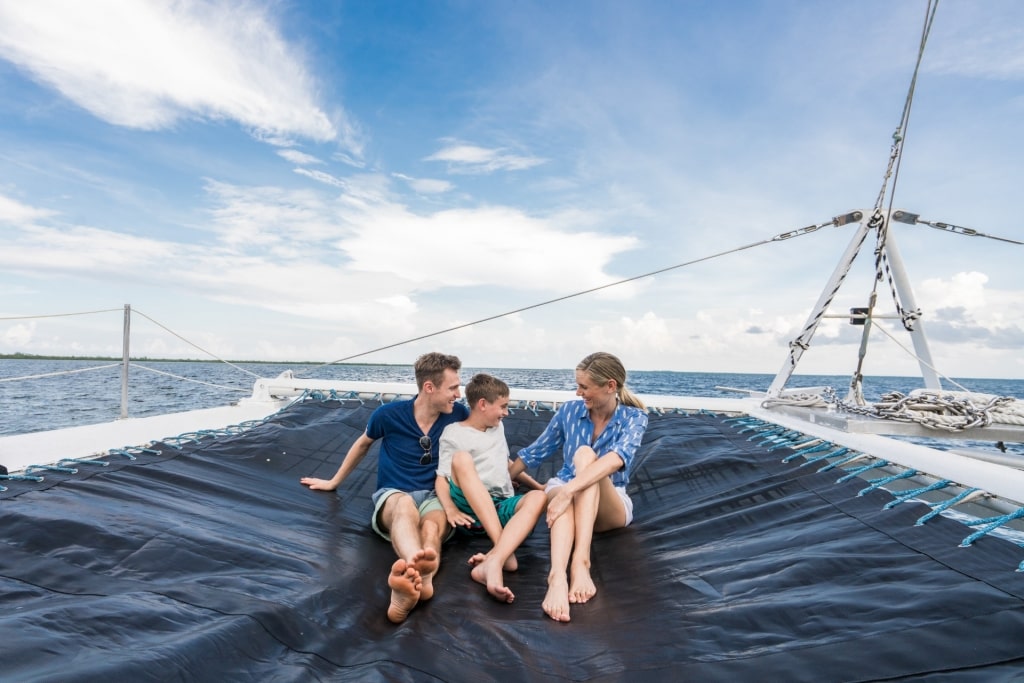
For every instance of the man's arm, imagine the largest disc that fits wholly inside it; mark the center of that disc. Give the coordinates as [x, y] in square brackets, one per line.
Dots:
[354, 456]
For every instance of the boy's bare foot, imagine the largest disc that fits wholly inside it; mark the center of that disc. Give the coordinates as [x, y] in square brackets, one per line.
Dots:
[487, 571]
[556, 602]
[426, 563]
[406, 586]
[583, 587]
[511, 564]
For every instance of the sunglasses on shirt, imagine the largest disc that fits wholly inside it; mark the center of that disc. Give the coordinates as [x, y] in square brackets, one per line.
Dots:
[425, 444]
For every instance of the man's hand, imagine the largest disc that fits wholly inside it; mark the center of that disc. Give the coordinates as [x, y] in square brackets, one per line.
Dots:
[318, 484]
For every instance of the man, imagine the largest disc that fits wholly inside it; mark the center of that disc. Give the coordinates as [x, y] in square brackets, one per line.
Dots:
[406, 510]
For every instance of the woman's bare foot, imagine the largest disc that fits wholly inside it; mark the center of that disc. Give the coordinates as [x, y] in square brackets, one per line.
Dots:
[406, 586]
[583, 587]
[556, 602]
[487, 571]
[426, 563]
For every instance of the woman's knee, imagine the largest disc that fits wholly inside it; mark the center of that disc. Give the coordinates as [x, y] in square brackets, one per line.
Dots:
[583, 456]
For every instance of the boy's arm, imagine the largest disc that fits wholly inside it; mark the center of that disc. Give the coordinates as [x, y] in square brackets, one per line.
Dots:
[456, 517]
[354, 456]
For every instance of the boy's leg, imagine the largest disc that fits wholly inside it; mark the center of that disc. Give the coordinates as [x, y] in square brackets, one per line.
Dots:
[465, 476]
[488, 568]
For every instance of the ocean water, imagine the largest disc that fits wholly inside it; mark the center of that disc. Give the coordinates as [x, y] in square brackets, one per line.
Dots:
[37, 395]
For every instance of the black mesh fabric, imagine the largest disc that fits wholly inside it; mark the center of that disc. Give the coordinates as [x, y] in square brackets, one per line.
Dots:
[212, 563]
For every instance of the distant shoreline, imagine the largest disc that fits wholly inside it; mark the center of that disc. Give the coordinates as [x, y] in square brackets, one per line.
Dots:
[32, 356]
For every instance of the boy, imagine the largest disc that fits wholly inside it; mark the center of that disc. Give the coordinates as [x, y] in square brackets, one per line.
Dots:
[475, 489]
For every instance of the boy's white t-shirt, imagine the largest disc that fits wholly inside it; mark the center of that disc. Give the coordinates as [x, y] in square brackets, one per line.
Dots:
[489, 450]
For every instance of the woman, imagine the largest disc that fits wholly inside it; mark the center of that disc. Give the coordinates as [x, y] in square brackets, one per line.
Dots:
[599, 437]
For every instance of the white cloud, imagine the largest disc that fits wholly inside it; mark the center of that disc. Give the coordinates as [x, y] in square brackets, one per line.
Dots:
[149, 65]
[19, 335]
[425, 185]
[471, 159]
[976, 44]
[297, 157]
[12, 211]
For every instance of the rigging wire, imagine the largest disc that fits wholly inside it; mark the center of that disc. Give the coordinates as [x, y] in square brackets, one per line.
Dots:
[211, 355]
[777, 238]
[58, 315]
[881, 221]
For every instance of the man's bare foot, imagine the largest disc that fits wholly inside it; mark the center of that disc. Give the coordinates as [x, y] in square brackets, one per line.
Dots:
[556, 602]
[426, 563]
[487, 571]
[406, 586]
[583, 587]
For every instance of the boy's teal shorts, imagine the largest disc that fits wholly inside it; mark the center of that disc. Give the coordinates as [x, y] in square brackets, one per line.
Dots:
[506, 507]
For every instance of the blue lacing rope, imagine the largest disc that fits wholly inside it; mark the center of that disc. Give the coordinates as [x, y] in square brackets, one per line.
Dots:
[823, 446]
[767, 433]
[992, 523]
[50, 468]
[882, 481]
[796, 446]
[842, 461]
[20, 477]
[839, 452]
[939, 508]
[857, 471]
[904, 496]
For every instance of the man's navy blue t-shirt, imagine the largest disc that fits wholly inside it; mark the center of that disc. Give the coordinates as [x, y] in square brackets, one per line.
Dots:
[398, 465]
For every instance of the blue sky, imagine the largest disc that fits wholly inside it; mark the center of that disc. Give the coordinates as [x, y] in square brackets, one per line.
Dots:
[315, 180]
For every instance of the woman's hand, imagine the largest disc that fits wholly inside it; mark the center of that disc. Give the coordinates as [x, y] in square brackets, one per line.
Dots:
[559, 503]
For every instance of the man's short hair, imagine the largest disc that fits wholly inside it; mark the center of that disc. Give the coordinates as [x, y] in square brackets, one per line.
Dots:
[430, 367]
[484, 386]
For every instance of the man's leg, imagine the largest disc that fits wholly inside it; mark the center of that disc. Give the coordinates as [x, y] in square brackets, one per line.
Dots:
[432, 529]
[400, 518]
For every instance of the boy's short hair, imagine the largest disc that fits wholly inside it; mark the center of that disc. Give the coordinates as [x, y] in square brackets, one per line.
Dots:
[430, 367]
[484, 386]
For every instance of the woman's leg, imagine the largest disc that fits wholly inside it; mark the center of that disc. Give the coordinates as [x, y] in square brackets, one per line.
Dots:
[597, 508]
[556, 601]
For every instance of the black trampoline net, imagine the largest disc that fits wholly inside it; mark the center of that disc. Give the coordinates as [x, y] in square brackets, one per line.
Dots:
[212, 563]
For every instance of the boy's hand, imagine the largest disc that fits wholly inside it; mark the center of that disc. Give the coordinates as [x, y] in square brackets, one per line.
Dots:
[457, 517]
